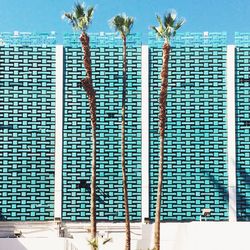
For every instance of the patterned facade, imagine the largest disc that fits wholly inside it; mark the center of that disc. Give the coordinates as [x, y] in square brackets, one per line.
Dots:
[196, 133]
[27, 132]
[107, 78]
[196, 174]
[243, 129]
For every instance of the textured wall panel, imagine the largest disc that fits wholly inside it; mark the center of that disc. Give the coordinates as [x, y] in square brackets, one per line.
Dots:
[27, 38]
[242, 132]
[195, 174]
[27, 118]
[102, 39]
[191, 39]
[242, 38]
[107, 77]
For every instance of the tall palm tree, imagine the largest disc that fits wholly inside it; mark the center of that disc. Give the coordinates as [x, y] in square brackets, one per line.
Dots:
[167, 30]
[123, 24]
[80, 19]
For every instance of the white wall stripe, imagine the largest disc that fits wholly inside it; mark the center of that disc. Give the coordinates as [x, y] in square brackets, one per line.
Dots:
[231, 146]
[58, 132]
[145, 131]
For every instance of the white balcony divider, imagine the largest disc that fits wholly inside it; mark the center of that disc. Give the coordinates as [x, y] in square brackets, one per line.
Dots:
[58, 133]
[231, 143]
[145, 130]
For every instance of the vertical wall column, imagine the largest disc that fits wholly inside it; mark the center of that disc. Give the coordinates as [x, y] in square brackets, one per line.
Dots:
[231, 146]
[145, 131]
[59, 132]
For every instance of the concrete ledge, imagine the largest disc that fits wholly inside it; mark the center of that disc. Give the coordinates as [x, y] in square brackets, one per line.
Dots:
[111, 236]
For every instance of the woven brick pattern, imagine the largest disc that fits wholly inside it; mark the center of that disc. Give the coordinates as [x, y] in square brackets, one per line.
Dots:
[243, 132]
[191, 39]
[242, 38]
[27, 118]
[102, 39]
[195, 174]
[107, 77]
[27, 38]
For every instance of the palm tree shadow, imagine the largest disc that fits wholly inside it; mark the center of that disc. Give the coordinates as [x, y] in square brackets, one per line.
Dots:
[243, 202]
[218, 186]
[101, 195]
[2, 217]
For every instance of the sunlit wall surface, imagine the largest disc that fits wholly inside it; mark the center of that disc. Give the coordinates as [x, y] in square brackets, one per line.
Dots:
[27, 132]
[106, 56]
[195, 175]
[195, 172]
[242, 125]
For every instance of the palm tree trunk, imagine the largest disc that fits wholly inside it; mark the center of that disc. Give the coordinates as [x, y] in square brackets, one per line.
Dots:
[124, 177]
[162, 123]
[87, 85]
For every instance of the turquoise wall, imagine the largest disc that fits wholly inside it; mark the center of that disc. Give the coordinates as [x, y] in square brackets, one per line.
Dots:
[27, 132]
[243, 132]
[195, 174]
[107, 78]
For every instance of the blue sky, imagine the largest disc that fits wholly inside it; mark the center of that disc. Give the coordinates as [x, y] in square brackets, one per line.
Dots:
[201, 15]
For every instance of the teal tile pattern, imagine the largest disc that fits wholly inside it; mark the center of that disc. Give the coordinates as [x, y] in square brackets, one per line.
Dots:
[242, 38]
[243, 132]
[107, 77]
[27, 132]
[102, 39]
[195, 173]
[27, 38]
[191, 39]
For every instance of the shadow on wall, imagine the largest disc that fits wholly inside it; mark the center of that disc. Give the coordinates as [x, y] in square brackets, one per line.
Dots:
[2, 217]
[101, 195]
[222, 190]
[243, 202]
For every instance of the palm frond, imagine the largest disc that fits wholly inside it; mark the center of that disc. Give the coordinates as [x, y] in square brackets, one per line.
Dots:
[168, 26]
[106, 240]
[168, 21]
[156, 29]
[159, 20]
[180, 23]
[69, 16]
[122, 24]
[79, 11]
[117, 23]
[160, 30]
[90, 13]
[81, 16]
[129, 22]
[93, 242]
[71, 19]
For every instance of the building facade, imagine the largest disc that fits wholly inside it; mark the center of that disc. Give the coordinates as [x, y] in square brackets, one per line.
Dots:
[45, 145]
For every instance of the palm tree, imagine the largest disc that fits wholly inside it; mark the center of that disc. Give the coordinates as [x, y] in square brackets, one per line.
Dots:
[167, 30]
[123, 24]
[80, 19]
